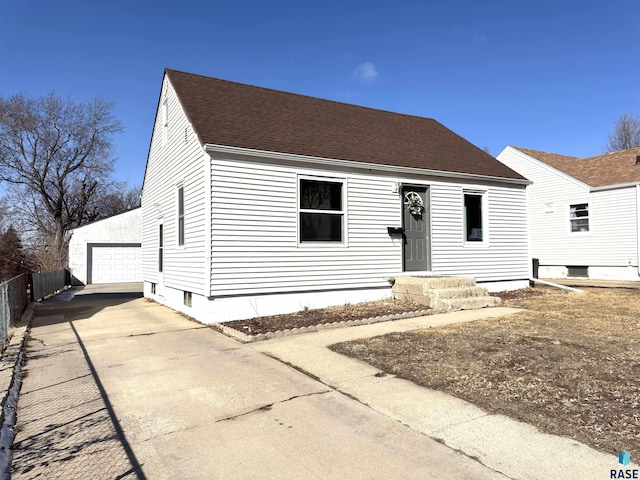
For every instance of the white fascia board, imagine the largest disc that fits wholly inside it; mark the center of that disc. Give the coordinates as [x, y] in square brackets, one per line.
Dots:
[213, 148]
[546, 166]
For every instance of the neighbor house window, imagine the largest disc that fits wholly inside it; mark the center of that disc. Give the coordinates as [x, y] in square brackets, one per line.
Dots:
[187, 299]
[321, 210]
[180, 215]
[473, 216]
[579, 217]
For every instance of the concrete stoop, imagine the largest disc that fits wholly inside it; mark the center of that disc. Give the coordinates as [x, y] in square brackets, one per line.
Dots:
[443, 293]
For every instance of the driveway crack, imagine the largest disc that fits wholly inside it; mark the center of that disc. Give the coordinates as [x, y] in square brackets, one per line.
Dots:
[265, 408]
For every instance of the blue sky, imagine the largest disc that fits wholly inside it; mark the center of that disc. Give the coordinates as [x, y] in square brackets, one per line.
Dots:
[551, 75]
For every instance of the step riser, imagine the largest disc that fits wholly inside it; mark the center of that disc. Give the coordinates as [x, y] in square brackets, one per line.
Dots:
[436, 282]
[443, 293]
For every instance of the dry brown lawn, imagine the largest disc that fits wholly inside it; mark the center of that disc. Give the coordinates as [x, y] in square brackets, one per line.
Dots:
[569, 364]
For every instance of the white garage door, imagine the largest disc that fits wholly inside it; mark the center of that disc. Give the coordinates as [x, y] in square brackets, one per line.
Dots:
[116, 264]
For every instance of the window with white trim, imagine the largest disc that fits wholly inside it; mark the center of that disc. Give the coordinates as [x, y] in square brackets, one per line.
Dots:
[321, 210]
[181, 215]
[474, 217]
[165, 122]
[579, 217]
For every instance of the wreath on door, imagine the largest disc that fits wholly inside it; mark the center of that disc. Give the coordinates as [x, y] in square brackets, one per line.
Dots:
[414, 203]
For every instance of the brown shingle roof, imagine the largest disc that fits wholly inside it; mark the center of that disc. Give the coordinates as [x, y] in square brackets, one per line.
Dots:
[233, 114]
[613, 168]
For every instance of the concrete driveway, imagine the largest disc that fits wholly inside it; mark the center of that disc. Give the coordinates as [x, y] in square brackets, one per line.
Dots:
[120, 387]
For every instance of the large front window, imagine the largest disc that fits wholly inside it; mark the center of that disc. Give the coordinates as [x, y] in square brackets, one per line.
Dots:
[321, 211]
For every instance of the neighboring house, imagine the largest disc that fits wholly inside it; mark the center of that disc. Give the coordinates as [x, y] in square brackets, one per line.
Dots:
[583, 212]
[258, 202]
[107, 251]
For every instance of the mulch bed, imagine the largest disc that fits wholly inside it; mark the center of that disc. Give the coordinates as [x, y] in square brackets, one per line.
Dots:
[312, 317]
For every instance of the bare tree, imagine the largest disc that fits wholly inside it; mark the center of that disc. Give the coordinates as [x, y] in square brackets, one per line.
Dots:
[57, 154]
[626, 133]
[112, 200]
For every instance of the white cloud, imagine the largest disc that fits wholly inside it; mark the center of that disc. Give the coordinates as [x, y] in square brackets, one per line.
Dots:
[366, 72]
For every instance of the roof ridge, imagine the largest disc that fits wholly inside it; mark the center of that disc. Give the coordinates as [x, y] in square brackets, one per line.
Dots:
[293, 94]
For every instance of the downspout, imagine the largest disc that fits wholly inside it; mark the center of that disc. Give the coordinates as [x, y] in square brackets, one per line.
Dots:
[638, 228]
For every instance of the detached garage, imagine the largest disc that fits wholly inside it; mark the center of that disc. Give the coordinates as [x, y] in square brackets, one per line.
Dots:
[107, 251]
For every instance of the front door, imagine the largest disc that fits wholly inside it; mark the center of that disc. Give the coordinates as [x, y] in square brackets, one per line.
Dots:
[416, 237]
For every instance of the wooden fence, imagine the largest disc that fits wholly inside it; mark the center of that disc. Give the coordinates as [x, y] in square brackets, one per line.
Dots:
[47, 283]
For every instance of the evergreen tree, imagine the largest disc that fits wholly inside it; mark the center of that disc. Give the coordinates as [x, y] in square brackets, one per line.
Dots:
[13, 260]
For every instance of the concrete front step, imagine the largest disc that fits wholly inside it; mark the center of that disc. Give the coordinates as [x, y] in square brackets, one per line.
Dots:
[443, 293]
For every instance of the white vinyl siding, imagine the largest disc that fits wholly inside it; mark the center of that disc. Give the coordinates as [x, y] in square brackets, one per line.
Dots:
[503, 255]
[255, 247]
[254, 236]
[170, 165]
[612, 237]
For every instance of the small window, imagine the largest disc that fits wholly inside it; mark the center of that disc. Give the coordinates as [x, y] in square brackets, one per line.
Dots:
[579, 217]
[321, 211]
[181, 216]
[153, 288]
[165, 122]
[473, 217]
[188, 299]
[160, 249]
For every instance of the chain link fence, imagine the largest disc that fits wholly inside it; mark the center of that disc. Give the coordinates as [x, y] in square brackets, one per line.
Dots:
[14, 298]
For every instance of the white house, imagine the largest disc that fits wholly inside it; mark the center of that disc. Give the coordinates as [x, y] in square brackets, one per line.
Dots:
[107, 251]
[258, 202]
[583, 212]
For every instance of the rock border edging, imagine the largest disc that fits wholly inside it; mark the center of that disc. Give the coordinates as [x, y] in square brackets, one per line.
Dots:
[244, 338]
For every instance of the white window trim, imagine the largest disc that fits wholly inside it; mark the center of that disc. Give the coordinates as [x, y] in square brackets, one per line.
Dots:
[184, 213]
[484, 205]
[588, 217]
[345, 230]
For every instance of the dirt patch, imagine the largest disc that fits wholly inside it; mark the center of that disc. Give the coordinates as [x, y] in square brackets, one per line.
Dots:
[309, 317]
[569, 365]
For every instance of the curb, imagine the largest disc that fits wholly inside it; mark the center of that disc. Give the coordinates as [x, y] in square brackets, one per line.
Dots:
[10, 383]
[244, 338]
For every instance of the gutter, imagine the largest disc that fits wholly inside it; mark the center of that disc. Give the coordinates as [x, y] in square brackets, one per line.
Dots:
[211, 148]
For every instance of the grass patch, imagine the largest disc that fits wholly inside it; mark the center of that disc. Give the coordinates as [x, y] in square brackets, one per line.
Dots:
[569, 365]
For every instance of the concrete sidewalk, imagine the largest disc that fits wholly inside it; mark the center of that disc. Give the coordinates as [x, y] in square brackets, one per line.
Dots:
[119, 387]
[515, 449]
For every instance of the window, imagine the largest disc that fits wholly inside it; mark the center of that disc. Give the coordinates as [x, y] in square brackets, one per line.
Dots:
[321, 211]
[187, 298]
[579, 217]
[165, 122]
[153, 288]
[160, 249]
[180, 215]
[473, 217]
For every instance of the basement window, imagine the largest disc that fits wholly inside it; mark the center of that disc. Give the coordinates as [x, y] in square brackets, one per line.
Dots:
[187, 298]
[321, 210]
[579, 217]
[577, 271]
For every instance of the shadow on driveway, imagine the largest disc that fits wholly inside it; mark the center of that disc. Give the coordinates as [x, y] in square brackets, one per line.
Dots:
[67, 427]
